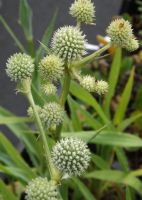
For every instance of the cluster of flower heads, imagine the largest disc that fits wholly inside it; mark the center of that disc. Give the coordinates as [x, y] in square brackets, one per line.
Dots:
[121, 34]
[42, 189]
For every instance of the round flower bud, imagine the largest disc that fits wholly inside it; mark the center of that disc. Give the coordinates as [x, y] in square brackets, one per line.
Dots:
[49, 89]
[19, 66]
[41, 189]
[51, 68]
[120, 31]
[132, 44]
[51, 114]
[71, 156]
[88, 83]
[101, 87]
[83, 11]
[69, 43]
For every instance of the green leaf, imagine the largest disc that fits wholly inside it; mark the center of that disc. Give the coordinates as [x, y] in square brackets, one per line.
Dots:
[15, 156]
[99, 162]
[12, 34]
[25, 19]
[6, 193]
[87, 98]
[110, 138]
[117, 177]
[13, 120]
[122, 107]
[120, 153]
[83, 189]
[127, 122]
[129, 194]
[46, 38]
[113, 79]
[74, 116]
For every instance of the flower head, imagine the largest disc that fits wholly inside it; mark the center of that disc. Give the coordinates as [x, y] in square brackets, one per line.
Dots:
[101, 87]
[120, 31]
[88, 83]
[41, 189]
[51, 114]
[51, 68]
[132, 44]
[83, 11]
[49, 89]
[71, 156]
[19, 66]
[69, 43]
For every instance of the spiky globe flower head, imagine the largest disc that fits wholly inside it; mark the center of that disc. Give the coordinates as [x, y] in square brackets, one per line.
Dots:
[51, 114]
[88, 83]
[49, 89]
[71, 156]
[132, 44]
[83, 11]
[69, 43]
[51, 68]
[41, 189]
[120, 31]
[19, 66]
[101, 87]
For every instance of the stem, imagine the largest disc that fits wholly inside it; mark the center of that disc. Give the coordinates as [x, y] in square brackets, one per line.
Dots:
[53, 172]
[31, 47]
[63, 97]
[90, 58]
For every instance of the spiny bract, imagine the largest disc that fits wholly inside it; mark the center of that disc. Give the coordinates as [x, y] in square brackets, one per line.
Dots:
[69, 43]
[71, 156]
[49, 89]
[41, 189]
[52, 114]
[101, 87]
[120, 31]
[83, 11]
[19, 66]
[88, 83]
[51, 68]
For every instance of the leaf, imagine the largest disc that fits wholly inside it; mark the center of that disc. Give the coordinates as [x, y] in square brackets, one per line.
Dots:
[6, 193]
[125, 98]
[83, 189]
[15, 156]
[25, 19]
[117, 177]
[120, 153]
[113, 79]
[110, 138]
[127, 122]
[74, 117]
[99, 162]
[13, 120]
[46, 38]
[87, 98]
[12, 34]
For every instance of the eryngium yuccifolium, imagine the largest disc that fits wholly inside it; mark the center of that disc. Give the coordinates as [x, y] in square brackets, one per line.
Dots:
[101, 87]
[51, 68]
[41, 189]
[88, 83]
[83, 11]
[49, 89]
[19, 66]
[71, 156]
[132, 44]
[51, 114]
[69, 43]
[120, 31]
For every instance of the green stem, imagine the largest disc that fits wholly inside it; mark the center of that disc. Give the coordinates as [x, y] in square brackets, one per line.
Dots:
[63, 97]
[53, 172]
[31, 47]
[90, 58]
